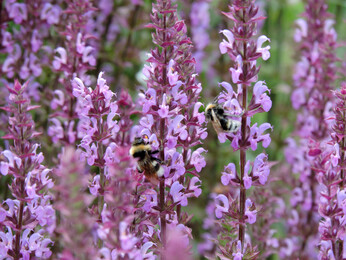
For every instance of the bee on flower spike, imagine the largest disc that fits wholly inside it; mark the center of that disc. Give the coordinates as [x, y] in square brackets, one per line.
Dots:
[146, 163]
[220, 120]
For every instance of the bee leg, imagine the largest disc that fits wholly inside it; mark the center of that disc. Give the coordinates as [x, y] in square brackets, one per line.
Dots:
[237, 115]
[139, 169]
[153, 152]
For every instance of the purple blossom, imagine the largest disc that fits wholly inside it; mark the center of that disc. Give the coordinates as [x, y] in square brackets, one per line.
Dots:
[228, 174]
[250, 212]
[265, 50]
[261, 168]
[17, 11]
[197, 160]
[224, 45]
[177, 195]
[247, 181]
[223, 207]
[238, 255]
[50, 13]
[195, 188]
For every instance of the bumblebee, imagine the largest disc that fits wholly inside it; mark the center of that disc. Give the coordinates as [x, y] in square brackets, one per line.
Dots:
[148, 164]
[220, 120]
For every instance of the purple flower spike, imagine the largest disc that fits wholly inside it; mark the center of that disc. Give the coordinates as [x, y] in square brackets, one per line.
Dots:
[313, 79]
[171, 121]
[329, 165]
[31, 205]
[72, 59]
[244, 48]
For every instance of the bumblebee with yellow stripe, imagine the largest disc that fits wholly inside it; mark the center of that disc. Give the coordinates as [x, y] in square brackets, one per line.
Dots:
[146, 163]
[220, 120]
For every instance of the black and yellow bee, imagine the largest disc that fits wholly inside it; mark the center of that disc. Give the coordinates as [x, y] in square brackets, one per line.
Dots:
[220, 120]
[148, 164]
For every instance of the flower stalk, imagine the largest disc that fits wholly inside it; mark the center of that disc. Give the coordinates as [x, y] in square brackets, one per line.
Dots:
[243, 51]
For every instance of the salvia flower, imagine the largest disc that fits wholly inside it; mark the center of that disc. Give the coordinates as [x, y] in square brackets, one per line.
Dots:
[313, 81]
[238, 211]
[97, 127]
[25, 46]
[29, 218]
[329, 165]
[171, 121]
[73, 59]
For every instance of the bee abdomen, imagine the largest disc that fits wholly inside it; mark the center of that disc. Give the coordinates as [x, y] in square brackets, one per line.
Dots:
[156, 165]
[233, 126]
[225, 123]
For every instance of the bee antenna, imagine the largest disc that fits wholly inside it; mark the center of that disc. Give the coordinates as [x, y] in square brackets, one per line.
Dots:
[215, 100]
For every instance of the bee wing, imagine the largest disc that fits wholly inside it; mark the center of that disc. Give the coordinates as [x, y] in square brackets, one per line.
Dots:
[217, 126]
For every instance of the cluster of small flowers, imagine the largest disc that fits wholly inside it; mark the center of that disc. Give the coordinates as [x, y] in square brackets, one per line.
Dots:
[29, 217]
[25, 47]
[106, 145]
[73, 60]
[172, 121]
[313, 78]
[329, 165]
[97, 127]
[236, 212]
